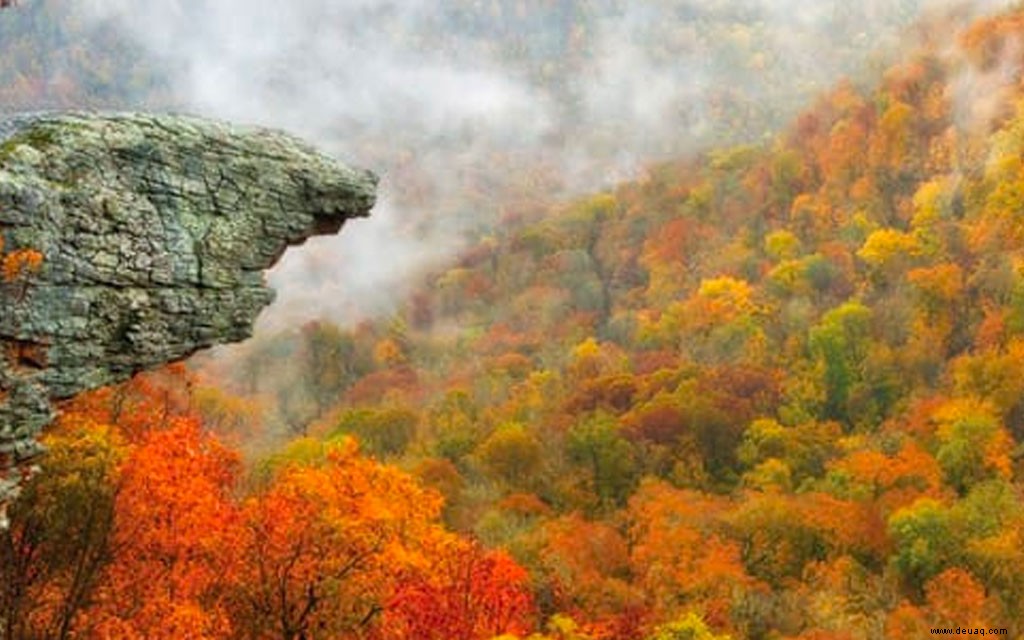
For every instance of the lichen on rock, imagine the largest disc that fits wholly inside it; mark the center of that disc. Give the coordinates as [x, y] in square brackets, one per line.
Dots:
[154, 232]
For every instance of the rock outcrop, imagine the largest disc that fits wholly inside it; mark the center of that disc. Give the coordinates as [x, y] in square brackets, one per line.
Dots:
[130, 241]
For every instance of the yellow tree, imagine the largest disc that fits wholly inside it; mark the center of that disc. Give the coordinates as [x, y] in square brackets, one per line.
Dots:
[60, 538]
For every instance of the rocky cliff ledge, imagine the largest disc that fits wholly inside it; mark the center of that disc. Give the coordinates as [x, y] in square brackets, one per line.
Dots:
[130, 241]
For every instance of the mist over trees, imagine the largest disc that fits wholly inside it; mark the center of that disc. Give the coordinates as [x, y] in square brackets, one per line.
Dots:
[769, 389]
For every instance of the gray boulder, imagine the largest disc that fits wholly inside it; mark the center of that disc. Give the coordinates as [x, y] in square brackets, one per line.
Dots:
[153, 232]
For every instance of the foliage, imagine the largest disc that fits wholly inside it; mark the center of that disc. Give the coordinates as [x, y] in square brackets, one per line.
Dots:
[771, 391]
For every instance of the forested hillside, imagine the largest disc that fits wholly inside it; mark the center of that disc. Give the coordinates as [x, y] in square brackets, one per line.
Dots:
[773, 391]
[52, 59]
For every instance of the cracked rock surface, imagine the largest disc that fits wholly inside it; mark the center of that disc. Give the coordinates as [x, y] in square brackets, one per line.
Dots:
[154, 231]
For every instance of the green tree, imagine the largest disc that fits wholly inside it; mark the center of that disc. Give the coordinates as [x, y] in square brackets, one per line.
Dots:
[328, 362]
[927, 542]
[382, 431]
[839, 343]
[607, 458]
[973, 446]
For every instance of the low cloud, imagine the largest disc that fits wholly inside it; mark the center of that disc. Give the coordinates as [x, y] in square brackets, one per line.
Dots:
[455, 102]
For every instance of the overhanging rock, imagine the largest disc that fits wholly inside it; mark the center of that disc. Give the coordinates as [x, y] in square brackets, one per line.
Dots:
[131, 241]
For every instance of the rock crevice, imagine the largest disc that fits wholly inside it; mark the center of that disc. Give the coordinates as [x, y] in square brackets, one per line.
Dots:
[150, 235]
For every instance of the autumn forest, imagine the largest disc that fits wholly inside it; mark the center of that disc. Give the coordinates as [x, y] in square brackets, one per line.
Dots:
[773, 390]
